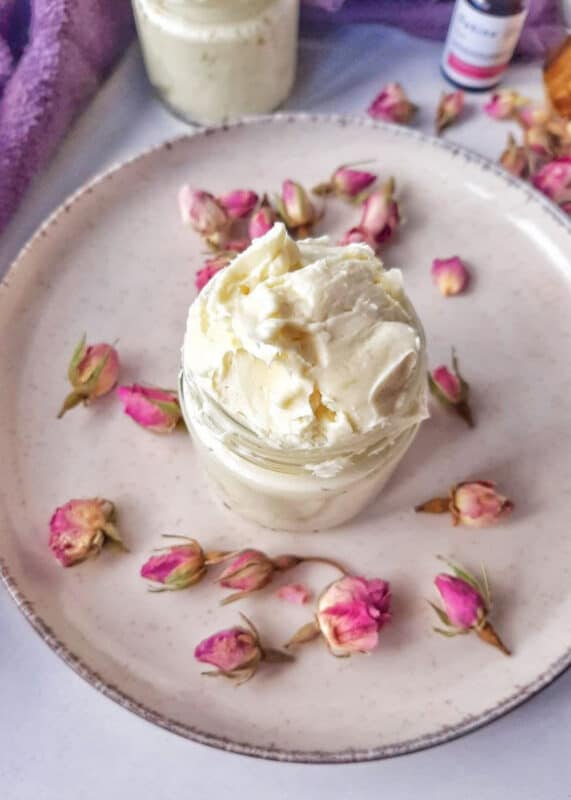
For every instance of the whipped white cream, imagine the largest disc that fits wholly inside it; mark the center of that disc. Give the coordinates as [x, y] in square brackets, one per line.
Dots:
[308, 344]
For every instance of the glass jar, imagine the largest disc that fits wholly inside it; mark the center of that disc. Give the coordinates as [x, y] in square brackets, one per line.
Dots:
[211, 60]
[286, 489]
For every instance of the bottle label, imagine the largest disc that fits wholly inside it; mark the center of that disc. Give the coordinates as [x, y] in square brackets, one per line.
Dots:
[479, 46]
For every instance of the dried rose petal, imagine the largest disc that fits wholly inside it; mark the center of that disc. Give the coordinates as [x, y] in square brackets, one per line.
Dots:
[92, 373]
[80, 528]
[449, 109]
[295, 593]
[504, 103]
[450, 275]
[156, 409]
[467, 606]
[392, 105]
[451, 390]
[236, 653]
[239, 203]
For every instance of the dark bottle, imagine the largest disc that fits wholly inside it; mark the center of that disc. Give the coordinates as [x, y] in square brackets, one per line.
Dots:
[481, 40]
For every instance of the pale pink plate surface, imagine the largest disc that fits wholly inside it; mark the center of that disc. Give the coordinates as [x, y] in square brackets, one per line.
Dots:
[116, 263]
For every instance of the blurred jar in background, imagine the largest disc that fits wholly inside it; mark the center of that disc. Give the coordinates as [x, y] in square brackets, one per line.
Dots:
[557, 77]
[213, 60]
[481, 40]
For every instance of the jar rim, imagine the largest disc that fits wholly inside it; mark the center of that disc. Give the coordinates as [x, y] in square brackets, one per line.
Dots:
[246, 440]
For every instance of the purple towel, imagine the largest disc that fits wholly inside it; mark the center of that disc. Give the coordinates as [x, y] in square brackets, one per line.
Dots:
[429, 18]
[53, 55]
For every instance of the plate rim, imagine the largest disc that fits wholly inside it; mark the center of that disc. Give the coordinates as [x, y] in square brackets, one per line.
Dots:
[72, 660]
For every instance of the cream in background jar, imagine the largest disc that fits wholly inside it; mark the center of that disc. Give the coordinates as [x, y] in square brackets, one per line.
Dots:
[303, 380]
[211, 60]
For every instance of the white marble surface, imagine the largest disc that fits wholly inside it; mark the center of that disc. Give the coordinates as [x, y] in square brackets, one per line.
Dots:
[61, 740]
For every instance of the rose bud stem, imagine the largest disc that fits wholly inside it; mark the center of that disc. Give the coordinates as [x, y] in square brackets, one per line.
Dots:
[488, 634]
[437, 505]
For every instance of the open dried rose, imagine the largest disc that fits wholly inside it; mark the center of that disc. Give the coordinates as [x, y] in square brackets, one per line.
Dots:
[467, 606]
[554, 180]
[392, 105]
[155, 409]
[451, 390]
[179, 565]
[80, 528]
[346, 182]
[239, 203]
[449, 109]
[450, 275]
[92, 372]
[351, 613]
[237, 653]
[380, 216]
[475, 504]
[251, 570]
[504, 103]
[295, 593]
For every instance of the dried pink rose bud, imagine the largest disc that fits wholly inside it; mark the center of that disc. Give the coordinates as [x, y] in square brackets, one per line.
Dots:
[236, 653]
[92, 372]
[179, 565]
[467, 606]
[251, 570]
[202, 211]
[296, 208]
[80, 528]
[248, 572]
[381, 214]
[350, 614]
[529, 116]
[449, 109]
[262, 221]
[357, 235]
[239, 203]
[392, 105]
[538, 141]
[514, 159]
[211, 267]
[451, 390]
[450, 275]
[554, 180]
[346, 182]
[475, 504]
[176, 567]
[295, 593]
[155, 409]
[504, 103]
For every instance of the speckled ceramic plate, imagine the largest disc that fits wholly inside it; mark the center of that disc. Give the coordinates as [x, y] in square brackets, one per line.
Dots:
[116, 262]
